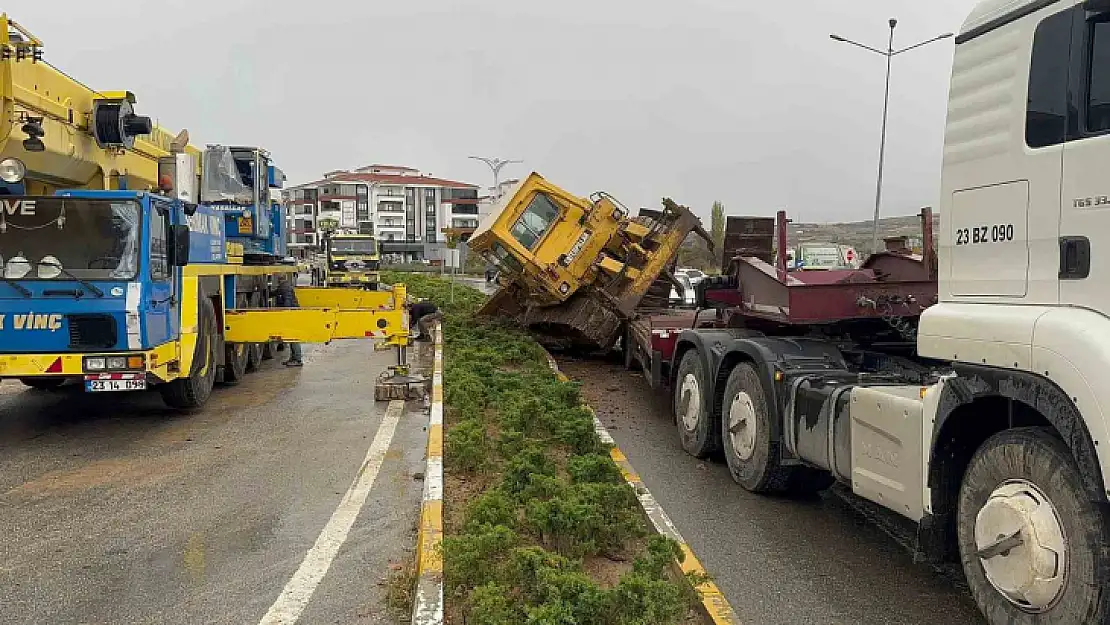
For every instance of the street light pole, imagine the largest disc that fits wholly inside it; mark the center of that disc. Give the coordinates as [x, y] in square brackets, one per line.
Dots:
[882, 141]
[889, 53]
[495, 165]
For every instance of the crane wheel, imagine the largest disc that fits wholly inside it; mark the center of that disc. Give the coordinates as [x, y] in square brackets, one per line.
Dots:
[235, 363]
[1032, 542]
[192, 392]
[255, 351]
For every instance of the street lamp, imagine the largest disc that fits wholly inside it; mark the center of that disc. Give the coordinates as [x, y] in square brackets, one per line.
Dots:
[889, 53]
[495, 165]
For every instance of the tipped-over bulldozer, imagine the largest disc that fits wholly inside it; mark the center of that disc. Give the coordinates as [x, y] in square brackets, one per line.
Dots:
[571, 269]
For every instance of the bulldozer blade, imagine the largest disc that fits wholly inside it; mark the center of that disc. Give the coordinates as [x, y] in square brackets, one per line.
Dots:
[501, 303]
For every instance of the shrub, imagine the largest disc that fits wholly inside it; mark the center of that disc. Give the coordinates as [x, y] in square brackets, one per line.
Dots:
[593, 468]
[466, 446]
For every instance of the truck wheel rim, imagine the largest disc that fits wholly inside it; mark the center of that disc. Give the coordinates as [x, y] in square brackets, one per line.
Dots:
[691, 402]
[742, 425]
[1021, 545]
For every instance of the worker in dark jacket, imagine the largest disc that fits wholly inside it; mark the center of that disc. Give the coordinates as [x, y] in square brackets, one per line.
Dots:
[287, 298]
[425, 314]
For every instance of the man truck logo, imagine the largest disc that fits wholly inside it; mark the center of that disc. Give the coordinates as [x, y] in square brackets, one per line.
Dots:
[577, 249]
[23, 207]
[31, 321]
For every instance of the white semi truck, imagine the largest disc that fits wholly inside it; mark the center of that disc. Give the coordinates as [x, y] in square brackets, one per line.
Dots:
[977, 410]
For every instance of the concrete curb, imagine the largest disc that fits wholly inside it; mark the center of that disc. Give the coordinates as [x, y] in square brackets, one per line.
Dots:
[714, 606]
[427, 609]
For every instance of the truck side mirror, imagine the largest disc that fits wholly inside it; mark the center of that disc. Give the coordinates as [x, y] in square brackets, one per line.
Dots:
[179, 245]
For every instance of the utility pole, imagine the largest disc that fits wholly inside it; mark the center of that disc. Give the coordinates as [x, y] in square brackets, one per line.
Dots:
[889, 53]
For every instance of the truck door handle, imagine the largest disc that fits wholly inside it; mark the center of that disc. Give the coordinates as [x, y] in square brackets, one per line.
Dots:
[1075, 258]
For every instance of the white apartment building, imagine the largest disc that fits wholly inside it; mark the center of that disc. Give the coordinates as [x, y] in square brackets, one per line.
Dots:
[411, 213]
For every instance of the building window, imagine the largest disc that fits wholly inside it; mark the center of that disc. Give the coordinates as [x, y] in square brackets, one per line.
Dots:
[1046, 112]
[1098, 104]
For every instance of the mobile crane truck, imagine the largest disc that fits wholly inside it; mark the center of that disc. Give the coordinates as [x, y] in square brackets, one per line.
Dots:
[130, 259]
[959, 390]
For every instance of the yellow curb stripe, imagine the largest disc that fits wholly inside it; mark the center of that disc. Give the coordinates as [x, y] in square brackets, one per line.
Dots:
[427, 608]
[622, 463]
[435, 440]
[430, 557]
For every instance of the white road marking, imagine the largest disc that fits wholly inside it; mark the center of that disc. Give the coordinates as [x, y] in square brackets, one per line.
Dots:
[296, 594]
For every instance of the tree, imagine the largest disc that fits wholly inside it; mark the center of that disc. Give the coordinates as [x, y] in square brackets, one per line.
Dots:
[717, 230]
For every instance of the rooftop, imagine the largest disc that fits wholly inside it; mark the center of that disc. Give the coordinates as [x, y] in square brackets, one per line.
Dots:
[405, 180]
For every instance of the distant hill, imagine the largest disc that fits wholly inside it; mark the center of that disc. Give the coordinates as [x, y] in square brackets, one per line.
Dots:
[858, 233]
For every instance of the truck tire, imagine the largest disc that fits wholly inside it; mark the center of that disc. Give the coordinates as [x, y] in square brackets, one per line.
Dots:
[235, 363]
[697, 429]
[255, 351]
[192, 392]
[1022, 507]
[752, 457]
[43, 384]
[270, 350]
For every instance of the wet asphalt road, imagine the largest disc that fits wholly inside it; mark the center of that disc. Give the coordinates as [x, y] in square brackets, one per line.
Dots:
[778, 561]
[116, 510]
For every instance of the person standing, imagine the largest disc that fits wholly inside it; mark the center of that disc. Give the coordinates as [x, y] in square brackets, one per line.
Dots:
[287, 298]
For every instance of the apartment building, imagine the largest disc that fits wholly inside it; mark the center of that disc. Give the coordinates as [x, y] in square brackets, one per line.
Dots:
[410, 212]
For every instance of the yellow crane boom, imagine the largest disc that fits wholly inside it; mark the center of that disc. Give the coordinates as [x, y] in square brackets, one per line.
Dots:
[89, 139]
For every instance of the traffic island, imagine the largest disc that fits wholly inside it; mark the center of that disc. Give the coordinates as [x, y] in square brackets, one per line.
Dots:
[539, 523]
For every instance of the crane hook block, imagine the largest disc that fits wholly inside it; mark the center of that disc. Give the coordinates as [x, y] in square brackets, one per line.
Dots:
[115, 124]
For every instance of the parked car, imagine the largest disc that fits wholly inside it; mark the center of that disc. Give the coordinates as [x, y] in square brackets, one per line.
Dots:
[687, 298]
[695, 275]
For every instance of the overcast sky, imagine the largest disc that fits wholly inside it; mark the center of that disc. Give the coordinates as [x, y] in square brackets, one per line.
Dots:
[750, 103]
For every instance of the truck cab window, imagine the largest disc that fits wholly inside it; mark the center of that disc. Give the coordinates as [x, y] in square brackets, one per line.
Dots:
[1098, 102]
[159, 244]
[532, 225]
[1046, 109]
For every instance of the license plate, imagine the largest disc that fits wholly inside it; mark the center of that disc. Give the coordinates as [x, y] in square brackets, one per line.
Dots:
[101, 386]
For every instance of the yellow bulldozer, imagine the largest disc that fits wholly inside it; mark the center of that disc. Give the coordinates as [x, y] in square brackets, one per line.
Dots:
[572, 270]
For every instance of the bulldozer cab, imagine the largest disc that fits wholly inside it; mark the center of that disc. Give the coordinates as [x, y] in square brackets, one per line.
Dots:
[546, 237]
